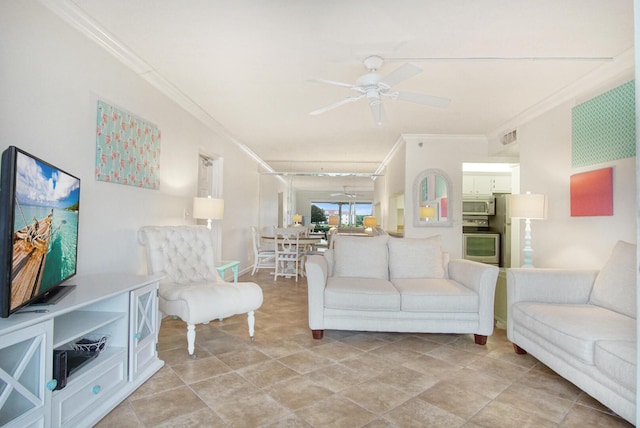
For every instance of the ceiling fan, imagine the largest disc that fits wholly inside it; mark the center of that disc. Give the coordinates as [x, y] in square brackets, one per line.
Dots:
[374, 87]
[346, 193]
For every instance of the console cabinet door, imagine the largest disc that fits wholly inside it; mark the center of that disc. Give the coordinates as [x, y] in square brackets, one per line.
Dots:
[143, 335]
[25, 369]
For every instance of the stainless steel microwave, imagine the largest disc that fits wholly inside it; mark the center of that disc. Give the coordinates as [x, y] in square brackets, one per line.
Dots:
[480, 206]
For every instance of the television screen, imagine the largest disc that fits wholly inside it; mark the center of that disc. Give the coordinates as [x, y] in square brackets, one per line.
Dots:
[39, 208]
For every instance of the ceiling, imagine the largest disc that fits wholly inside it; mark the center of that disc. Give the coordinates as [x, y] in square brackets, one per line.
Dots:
[247, 65]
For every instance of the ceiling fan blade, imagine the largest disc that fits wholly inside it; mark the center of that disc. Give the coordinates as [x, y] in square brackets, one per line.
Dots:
[377, 110]
[429, 100]
[400, 74]
[336, 104]
[332, 82]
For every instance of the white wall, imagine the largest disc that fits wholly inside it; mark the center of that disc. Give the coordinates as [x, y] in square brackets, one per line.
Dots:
[51, 77]
[446, 153]
[545, 167]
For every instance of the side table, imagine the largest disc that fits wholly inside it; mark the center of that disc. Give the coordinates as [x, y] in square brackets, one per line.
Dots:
[226, 264]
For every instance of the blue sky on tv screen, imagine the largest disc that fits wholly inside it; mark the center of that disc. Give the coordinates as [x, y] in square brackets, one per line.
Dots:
[39, 184]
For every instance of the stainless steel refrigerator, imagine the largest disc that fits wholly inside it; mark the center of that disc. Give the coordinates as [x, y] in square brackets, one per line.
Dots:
[501, 223]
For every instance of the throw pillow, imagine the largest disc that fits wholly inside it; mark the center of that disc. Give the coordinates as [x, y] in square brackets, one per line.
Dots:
[416, 258]
[615, 285]
[361, 257]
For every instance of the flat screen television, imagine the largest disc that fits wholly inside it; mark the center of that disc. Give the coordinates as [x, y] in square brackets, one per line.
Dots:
[39, 210]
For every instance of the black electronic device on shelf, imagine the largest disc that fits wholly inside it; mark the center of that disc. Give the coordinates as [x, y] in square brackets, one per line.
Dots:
[68, 361]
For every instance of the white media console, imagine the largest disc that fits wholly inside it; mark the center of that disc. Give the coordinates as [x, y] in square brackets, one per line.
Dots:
[122, 307]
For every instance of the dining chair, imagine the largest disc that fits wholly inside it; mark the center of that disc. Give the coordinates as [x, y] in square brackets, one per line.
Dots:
[263, 259]
[289, 253]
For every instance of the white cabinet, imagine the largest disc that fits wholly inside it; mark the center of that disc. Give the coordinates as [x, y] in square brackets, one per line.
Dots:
[24, 367]
[501, 184]
[121, 308]
[485, 184]
[476, 185]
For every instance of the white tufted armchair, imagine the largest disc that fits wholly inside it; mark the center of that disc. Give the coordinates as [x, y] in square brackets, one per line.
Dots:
[192, 288]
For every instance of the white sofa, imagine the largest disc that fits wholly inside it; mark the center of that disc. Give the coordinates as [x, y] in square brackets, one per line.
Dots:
[581, 324]
[381, 283]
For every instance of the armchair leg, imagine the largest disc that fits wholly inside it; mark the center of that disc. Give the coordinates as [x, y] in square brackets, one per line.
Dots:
[480, 339]
[191, 340]
[251, 319]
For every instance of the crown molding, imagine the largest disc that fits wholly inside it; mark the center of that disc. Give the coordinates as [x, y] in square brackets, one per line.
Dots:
[78, 19]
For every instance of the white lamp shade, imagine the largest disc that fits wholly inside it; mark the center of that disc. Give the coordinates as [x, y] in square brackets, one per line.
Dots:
[427, 212]
[528, 205]
[208, 208]
[369, 221]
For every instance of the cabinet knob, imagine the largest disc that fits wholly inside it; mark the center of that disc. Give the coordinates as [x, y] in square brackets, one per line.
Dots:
[96, 389]
[51, 385]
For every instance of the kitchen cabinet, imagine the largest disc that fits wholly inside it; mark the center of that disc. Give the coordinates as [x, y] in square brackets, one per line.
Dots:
[485, 184]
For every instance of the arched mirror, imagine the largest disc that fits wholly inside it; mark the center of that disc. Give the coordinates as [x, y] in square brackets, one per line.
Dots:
[433, 194]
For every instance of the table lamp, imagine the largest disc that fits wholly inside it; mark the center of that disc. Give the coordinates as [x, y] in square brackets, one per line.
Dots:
[530, 207]
[297, 219]
[208, 208]
[427, 213]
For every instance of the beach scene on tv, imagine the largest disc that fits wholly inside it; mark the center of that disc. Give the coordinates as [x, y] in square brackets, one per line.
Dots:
[45, 228]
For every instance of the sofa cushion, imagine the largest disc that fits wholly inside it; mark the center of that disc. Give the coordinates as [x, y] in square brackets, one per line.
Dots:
[615, 285]
[415, 258]
[617, 359]
[574, 328]
[435, 295]
[361, 257]
[368, 294]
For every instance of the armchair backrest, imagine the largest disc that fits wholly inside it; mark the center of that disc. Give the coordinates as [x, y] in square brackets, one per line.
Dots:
[182, 253]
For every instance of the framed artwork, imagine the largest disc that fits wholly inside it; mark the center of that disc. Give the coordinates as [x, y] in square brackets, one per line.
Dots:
[127, 149]
[592, 193]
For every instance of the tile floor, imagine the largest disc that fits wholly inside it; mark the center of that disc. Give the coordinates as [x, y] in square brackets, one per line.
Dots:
[348, 379]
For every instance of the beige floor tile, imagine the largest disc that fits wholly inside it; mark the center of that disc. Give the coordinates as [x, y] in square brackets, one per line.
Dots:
[305, 361]
[419, 414]
[227, 387]
[297, 392]
[267, 373]
[336, 377]
[432, 366]
[252, 410]
[123, 416]
[243, 358]
[163, 380]
[200, 418]
[156, 409]
[499, 415]
[407, 380]
[455, 399]
[335, 412]
[199, 369]
[580, 416]
[375, 396]
[536, 402]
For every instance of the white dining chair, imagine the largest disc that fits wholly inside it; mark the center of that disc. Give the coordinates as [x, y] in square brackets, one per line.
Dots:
[263, 259]
[289, 253]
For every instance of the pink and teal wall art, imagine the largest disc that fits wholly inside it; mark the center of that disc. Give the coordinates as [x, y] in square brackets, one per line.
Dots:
[127, 149]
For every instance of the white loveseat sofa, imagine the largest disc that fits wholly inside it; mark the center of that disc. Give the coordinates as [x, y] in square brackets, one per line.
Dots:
[581, 324]
[399, 285]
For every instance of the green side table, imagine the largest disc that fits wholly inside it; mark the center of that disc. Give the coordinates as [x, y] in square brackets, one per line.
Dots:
[226, 264]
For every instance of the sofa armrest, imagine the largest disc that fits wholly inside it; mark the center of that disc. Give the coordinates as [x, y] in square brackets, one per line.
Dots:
[549, 285]
[317, 271]
[481, 278]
